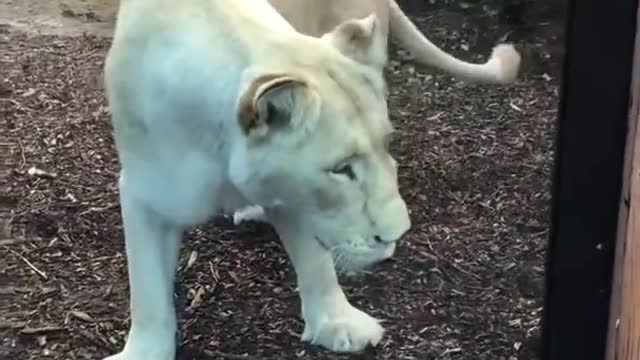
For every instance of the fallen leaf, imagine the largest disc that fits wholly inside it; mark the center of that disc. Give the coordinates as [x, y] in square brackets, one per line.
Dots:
[197, 298]
[34, 171]
[81, 315]
[192, 259]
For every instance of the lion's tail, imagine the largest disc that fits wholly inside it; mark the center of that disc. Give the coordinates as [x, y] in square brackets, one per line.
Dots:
[502, 67]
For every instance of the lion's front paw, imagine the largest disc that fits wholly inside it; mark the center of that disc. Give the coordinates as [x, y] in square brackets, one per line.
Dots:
[119, 356]
[152, 354]
[148, 346]
[350, 330]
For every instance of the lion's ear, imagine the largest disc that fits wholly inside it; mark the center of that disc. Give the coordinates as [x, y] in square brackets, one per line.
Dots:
[356, 38]
[268, 103]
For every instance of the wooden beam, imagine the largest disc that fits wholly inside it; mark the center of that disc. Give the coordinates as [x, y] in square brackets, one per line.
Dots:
[628, 344]
[590, 144]
[624, 325]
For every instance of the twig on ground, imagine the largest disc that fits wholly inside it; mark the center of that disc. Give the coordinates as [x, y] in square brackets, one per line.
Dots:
[30, 265]
[12, 325]
[8, 242]
[223, 355]
[98, 209]
[40, 330]
[95, 339]
[24, 158]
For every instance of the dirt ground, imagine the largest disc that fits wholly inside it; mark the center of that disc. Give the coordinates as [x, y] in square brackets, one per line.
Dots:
[60, 17]
[466, 283]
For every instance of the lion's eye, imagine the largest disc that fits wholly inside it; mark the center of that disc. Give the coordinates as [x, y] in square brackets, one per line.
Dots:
[345, 170]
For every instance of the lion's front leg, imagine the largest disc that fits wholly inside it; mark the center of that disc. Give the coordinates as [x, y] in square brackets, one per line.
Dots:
[330, 320]
[152, 247]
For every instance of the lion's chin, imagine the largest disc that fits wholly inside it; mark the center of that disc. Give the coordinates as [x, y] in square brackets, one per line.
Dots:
[349, 261]
[360, 261]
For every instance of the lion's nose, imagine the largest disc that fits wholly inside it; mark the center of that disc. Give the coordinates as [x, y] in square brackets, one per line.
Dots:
[392, 221]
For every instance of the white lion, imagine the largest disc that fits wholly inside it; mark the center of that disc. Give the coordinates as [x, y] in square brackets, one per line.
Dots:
[317, 17]
[219, 104]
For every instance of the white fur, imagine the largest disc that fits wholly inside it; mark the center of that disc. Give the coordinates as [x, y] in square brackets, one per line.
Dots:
[501, 68]
[316, 16]
[250, 212]
[178, 77]
[151, 261]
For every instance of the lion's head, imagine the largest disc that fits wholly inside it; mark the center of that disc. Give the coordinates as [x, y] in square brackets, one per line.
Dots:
[315, 143]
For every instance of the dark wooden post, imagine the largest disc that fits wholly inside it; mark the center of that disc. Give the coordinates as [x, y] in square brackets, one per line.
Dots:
[592, 135]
